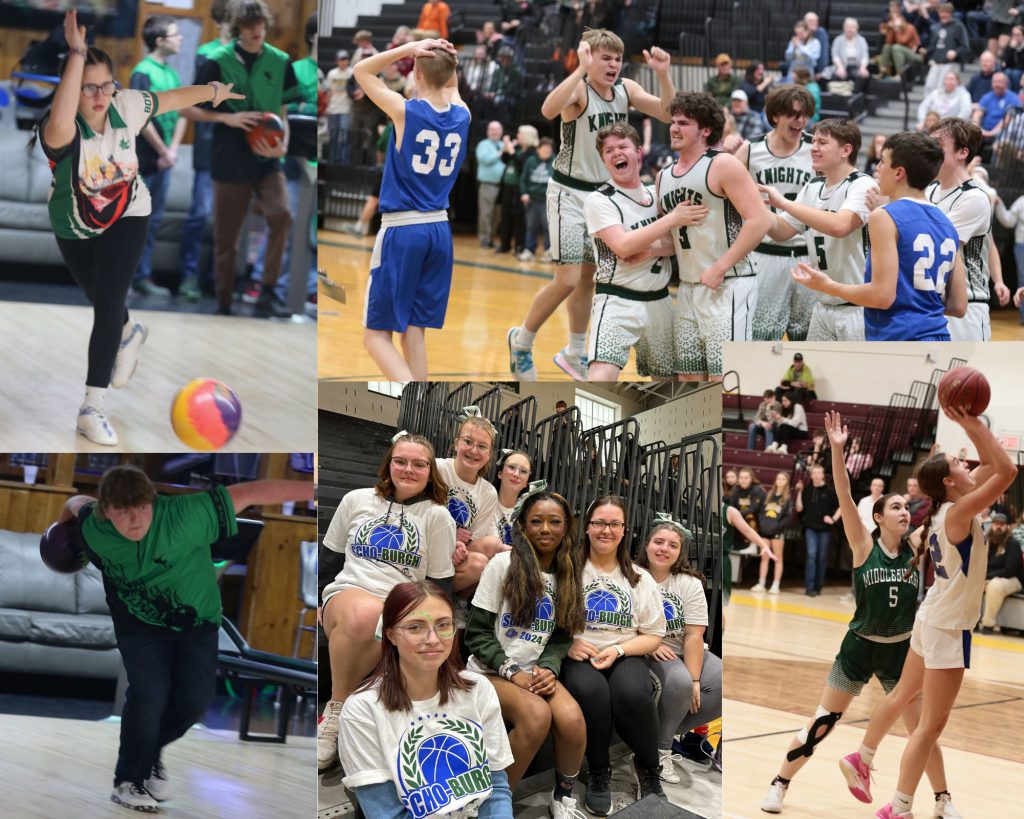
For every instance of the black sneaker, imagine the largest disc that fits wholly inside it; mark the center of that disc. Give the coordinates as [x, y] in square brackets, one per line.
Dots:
[598, 798]
[648, 781]
[269, 307]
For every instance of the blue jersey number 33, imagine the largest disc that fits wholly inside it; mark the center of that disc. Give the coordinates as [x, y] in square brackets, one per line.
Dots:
[425, 163]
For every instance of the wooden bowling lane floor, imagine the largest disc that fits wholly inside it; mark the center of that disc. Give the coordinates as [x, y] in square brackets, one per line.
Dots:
[269, 364]
[778, 654]
[490, 293]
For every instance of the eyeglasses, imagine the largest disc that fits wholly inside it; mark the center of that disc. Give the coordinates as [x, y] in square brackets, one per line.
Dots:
[614, 525]
[420, 632]
[91, 89]
[483, 449]
[518, 470]
[404, 463]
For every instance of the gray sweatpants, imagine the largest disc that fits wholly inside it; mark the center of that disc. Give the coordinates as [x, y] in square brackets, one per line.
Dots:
[676, 690]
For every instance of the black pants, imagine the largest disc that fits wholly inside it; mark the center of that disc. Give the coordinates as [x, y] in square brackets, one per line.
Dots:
[784, 433]
[624, 694]
[512, 228]
[103, 267]
[171, 683]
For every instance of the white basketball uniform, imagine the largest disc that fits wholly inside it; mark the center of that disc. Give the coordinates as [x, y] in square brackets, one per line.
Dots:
[706, 318]
[777, 295]
[577, 171]
[632, 306]
[969, 209]
[841, 258]
[952, 607]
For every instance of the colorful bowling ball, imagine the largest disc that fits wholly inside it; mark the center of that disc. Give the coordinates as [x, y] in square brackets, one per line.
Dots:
[206, 414]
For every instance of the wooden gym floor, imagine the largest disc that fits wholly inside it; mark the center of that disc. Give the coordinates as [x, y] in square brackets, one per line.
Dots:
[778, 654]
[490, 294]
[269, 364]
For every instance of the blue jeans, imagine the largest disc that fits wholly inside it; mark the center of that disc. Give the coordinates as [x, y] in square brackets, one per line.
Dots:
[199, 214]
[756, 429]
[817, 556]
[537, 225]
[157, 183]
[337, 146]
[1018, 254]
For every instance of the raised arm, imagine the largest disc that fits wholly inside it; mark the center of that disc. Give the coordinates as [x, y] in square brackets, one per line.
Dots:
[858, 537]
[391, 102]
[266, 493]
[60, 127]
[73, 505]
[651, 105]
[570, 95]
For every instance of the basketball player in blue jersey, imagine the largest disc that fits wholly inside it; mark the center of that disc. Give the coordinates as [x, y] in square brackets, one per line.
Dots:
[411, 266]
[588, 99]
[915, 272]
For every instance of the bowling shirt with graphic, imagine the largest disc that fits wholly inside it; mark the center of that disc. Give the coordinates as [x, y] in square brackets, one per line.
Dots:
[167, 579]
[473, 506]
[96, 176]
[439, 757]
[503, 523]
[684, 603]
[616, 611]
[386, 543]
[524, 645]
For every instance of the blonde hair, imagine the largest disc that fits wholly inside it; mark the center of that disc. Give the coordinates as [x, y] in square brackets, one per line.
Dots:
[437, 70]
[529, 137]
[602, 38]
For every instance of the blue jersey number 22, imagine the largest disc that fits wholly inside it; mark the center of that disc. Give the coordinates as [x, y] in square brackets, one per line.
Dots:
[424, 163]
[926, 275]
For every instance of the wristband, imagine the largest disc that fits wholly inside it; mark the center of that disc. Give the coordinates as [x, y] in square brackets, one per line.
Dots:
[215, 89]
[621, 650]
[509, 668]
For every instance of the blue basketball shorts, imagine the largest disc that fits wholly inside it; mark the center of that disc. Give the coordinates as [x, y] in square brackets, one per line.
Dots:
[410, 272]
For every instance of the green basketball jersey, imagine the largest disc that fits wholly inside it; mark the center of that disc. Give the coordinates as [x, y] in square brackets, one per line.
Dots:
[886, 602]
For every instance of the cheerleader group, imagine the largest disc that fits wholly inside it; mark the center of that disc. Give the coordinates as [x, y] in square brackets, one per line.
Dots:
[565, 636]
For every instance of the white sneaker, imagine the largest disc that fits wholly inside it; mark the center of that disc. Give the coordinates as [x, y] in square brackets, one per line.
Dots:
[327, 736]
[525, 256]
[749, 549]
[133, 796]
[759, 587]
[546, 258]
[94, 425]
[774, 589]
[520, 359]
[128, 355]
[772, 447]
[944, 808]
[574, 366]
[565, 808]
[772, 803]
[668, 772]
[158, 785]
[783, 449]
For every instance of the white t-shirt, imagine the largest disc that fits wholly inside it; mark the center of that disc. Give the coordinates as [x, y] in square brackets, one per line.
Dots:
[616, 611]
[684, 603]
[440, 758]
[503, 523]
[473, 506]
[631, 209]
[519, 644]
[386, 543]
[954, 599]
[337, 82]
[842, 258]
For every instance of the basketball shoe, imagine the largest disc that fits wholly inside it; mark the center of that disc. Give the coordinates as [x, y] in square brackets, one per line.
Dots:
[520, 359]
[772, 802]
[858, 776]
[158, 785]
[327, 736]
[127, 358]
[944, 807]
[564, 807]
[598, 798]
[94, 425]
[648, 781]
[574, 366]
[888, 813]
[133, 796]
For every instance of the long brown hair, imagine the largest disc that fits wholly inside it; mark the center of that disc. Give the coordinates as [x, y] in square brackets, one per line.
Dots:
[524, 584]
[931, 474]
[773, 493]
[436, 489]
[682, 564]
[392, 694]
[621, 555]
[878, 508]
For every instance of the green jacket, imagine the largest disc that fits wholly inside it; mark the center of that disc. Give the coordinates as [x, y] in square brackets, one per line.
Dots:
[264, 87]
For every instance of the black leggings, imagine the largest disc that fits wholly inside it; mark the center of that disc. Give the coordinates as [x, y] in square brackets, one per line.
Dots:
[623, 693]
[103, 268]
[784, 433]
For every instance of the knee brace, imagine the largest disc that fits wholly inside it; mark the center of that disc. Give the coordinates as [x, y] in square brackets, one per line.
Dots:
[823, 719]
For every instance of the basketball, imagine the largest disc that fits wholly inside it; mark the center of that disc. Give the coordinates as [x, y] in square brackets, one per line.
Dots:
[61, 547]
[206, 414]
[269, 128]
[965, 387]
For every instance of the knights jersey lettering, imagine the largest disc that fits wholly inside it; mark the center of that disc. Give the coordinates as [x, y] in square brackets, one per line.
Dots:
[787, 173]
[633, 209]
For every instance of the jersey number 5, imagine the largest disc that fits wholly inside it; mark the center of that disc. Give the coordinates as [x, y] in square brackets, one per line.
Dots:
[819, 249]
[425, 163]
[684, 240]
[925, 245]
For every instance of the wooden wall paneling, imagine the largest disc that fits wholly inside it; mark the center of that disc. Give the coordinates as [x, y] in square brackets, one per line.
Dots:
[25, 508]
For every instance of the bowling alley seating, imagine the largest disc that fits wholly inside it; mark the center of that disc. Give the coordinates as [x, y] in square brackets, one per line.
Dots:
[25, 233]
[52, 623]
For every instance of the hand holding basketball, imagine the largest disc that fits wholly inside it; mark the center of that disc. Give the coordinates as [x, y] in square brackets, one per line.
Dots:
[965, 388]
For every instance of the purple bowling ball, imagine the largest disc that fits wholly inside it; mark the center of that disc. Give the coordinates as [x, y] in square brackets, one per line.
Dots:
[61, 547]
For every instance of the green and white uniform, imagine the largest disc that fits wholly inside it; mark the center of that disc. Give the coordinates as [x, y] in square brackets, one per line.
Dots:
[842, 258]
[578, 170]
[777, 295]
[969, 209]
[879, 634]
[706, 318]
[632, 306]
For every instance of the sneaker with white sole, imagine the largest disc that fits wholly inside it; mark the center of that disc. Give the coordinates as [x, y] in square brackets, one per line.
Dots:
[133, 796]
[94, 425]
[772, 447]
[772, 802]
[128, 355]
[858, 776]
[887, 812]
[574, 366]
[526, 256]
[782, 449]
[158, 784]
[668, 772]
[520, 359]
[598, 798]
[327, 736]
[564, 807]
[944, 807]
[546, 258]
[757, 587]
[648, 781]
[774, 589]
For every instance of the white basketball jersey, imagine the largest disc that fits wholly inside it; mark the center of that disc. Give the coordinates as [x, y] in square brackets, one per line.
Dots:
[578, 159]
[697, 248]
[954, 600]
[969, 209]
[786, 173]
[610, 205]
[842, 258]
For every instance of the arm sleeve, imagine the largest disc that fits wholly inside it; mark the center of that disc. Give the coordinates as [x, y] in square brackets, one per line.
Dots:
[480, 638]
[380, 800]
[555, 650]
[329, 565]
[499, 803]
[600, 212]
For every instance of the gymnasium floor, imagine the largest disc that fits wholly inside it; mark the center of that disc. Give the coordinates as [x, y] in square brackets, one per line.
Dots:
[778, 653]
[490, 293]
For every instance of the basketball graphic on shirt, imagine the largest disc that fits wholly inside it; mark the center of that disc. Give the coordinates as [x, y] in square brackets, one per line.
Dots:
[462, 508]
[545, 608]
[608, 605]
[504, 530]
[385, 540]
[442, 765]
[673, 607]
